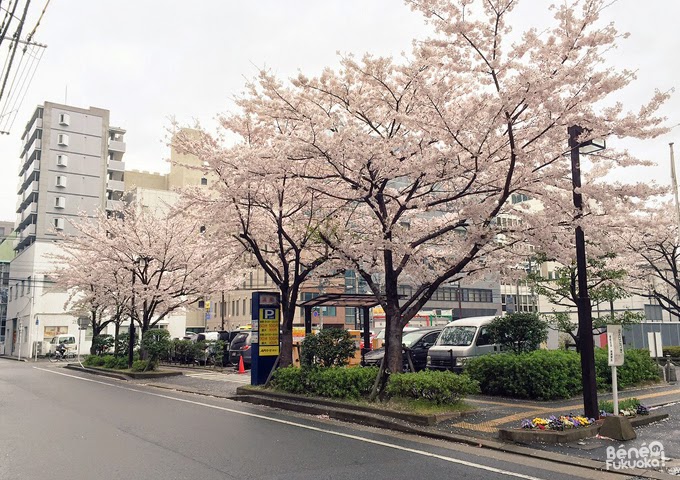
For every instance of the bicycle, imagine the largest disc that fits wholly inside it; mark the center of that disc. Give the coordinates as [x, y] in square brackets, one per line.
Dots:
[60, 355]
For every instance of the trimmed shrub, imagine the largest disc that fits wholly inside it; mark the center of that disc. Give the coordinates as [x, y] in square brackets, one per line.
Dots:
[94, 361]
[554, 374]
[540, 375]
[519, 332]
[339, 382]
[437, 387]
[289, 379]
[674, 352]
[637, 367]
[328, 348]
[333, 382]
[156, 344]
[102, 343]
[139, 365]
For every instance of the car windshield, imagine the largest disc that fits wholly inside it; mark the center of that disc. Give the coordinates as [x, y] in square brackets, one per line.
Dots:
[411, 338]
[241, 337]
[457, 336]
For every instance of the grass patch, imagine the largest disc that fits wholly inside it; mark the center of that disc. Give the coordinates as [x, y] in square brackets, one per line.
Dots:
[407, 405]
[626, 404]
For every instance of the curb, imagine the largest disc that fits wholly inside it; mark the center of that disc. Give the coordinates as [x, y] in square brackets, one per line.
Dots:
[391, 424]
[122, 376]
[118, 376]
[7, 357]
[425, 420]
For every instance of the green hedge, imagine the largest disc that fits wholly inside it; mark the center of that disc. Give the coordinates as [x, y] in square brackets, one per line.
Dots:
[332, 382]
[672, 351]
[437, 387]
[540, 375]
[339, 382]
[638, 367]
[107, 361]
[554, 374]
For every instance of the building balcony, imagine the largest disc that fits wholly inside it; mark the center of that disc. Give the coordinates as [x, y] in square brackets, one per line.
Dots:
[29, 149]
[115, 185]
[28, 231]
[27, 217]
[116, 146]
[29, 197]
[116, 166]
[27, 162]
[115, 205]
[28, 187]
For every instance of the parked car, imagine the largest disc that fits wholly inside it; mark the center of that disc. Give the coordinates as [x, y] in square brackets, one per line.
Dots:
[68, 340]
[459, 341]
[241, 346]
[417, 341]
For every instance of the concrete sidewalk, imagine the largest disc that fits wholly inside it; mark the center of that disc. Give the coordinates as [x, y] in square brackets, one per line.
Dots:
[494, 412]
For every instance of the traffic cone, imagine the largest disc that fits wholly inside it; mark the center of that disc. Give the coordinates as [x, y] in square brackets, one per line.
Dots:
[241, 367]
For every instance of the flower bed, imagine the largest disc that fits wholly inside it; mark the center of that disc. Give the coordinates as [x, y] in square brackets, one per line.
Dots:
[563, 422]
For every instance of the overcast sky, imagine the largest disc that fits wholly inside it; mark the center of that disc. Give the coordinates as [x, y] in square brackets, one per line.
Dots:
[148, 60]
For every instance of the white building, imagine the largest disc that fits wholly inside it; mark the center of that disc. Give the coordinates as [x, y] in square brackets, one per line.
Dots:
[71, 162]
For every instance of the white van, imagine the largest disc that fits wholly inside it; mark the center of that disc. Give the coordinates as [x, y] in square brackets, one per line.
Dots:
[68, 340]
[459, 341]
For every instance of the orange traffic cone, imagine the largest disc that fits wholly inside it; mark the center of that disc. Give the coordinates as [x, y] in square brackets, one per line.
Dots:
[241, 367]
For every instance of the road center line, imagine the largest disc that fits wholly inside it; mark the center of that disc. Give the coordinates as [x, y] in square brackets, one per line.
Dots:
[308, 427]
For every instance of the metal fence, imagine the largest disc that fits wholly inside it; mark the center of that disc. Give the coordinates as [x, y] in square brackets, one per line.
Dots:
[635, 336]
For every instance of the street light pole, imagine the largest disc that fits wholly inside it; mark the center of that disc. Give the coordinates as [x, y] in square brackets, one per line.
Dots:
[585, 316]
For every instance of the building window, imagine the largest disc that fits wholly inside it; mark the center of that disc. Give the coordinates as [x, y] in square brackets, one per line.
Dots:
[244, 306]
[59, 223]
[60, 202]
[62, 139]
[204, 181]
[61, 181]
[62, 160]
[64, 119]
[28, 286]
[23, 287]
[653, 313]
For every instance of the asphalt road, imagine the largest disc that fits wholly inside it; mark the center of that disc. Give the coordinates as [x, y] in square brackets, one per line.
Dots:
[55, 423]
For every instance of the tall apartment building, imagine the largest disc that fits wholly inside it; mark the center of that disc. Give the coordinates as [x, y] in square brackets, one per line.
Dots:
[71, 162]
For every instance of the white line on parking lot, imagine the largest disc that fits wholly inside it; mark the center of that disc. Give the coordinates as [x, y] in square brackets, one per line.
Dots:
[308, 427]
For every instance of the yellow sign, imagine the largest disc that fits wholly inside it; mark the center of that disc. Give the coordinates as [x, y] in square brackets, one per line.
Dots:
[269, 331]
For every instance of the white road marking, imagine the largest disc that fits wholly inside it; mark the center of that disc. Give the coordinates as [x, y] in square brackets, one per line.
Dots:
[309, 427]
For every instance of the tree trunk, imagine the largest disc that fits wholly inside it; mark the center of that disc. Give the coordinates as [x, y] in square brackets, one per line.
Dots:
[286, 353]
[115, 338]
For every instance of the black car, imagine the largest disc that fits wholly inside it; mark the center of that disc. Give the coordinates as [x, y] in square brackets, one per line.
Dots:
[417, 342]
[241, 346]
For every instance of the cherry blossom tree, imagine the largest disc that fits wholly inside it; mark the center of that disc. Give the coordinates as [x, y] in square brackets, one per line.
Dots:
[261, 210]
[655, 240]
[426, 153]
[91, 286]
[157, 260]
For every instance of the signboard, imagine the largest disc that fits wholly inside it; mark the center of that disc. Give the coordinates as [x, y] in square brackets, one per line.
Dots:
[269, 331]
[615, 343]
[655, 344]
[83, 322]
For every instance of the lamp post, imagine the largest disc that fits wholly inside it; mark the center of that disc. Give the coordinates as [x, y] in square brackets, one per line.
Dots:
[584, 309]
